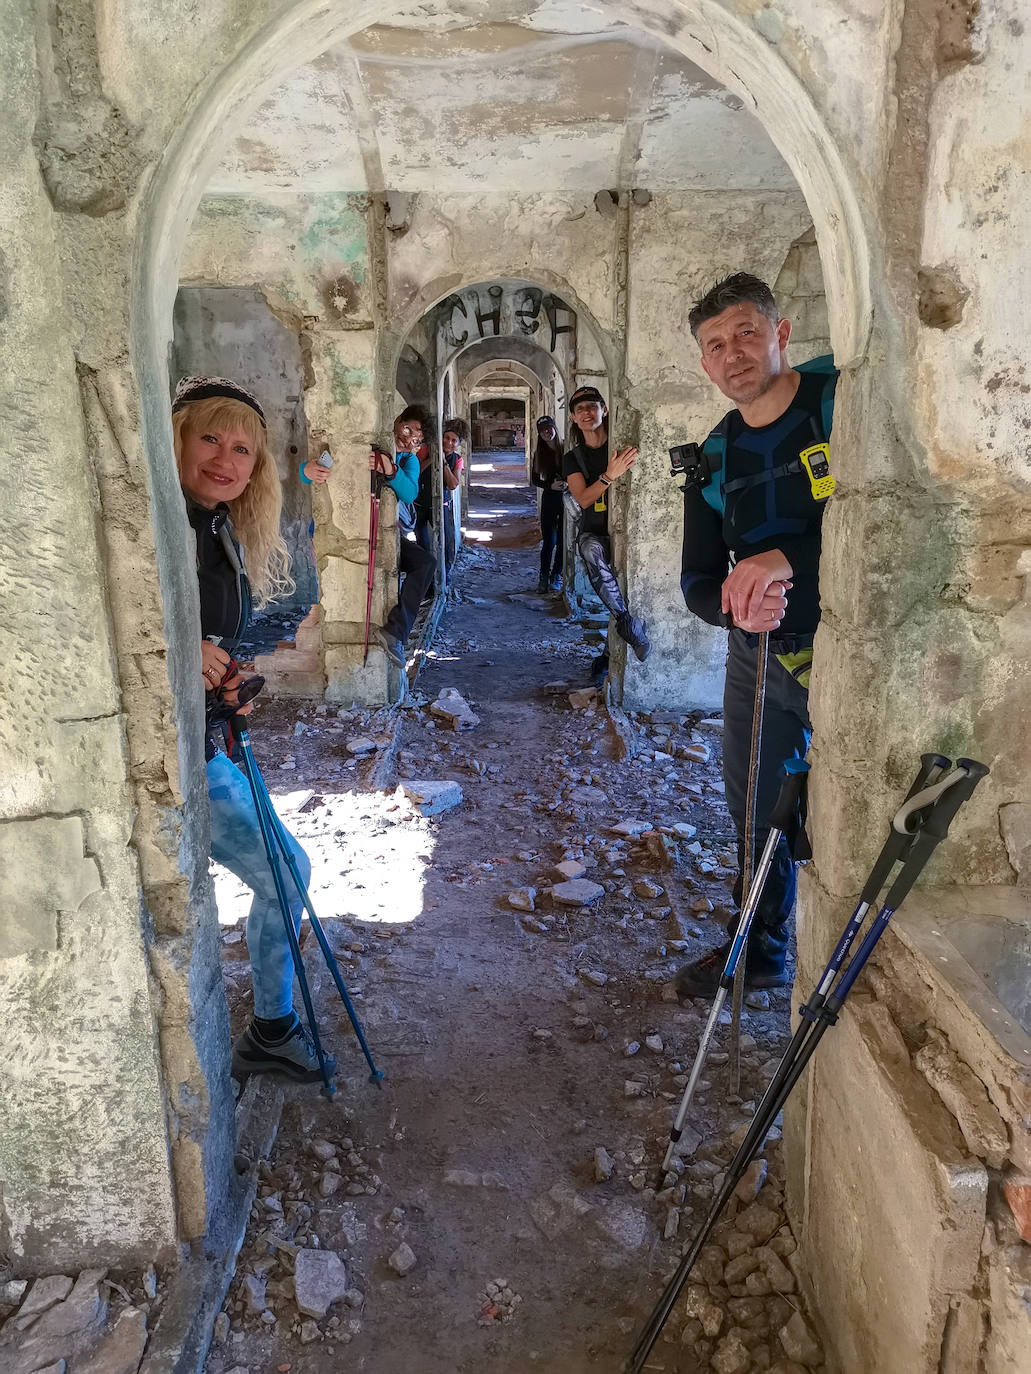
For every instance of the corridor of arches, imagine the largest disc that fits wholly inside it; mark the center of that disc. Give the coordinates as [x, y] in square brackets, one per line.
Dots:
[475, 209]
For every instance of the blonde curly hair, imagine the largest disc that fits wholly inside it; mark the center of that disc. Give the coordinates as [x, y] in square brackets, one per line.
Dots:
[255, 512]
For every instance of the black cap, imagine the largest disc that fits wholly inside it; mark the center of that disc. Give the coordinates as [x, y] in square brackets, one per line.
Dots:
[546, 420]
[585, 393]
[191, 389]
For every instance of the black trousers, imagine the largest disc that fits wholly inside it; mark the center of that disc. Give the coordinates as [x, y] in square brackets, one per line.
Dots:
[785, 734]
[551, 534]
[417, 566]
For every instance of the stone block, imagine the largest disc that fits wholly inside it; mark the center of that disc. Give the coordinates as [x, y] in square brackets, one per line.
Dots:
[895, 1205]
[579, 892]
[432, 798]
[964, 1094]
[1009, 1335]
[320, 1280]
[120, 1349]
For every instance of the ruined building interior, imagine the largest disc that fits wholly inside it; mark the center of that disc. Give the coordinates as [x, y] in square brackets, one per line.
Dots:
[478, 206]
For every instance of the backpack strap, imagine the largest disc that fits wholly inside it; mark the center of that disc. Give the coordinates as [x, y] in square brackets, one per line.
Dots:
[824, 366]
[715, 450]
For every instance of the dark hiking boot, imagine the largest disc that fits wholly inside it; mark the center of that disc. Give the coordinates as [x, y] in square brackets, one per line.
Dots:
[634, 631]
[293, 1055]
[542, 586]
[702, 978]
[556, 582]
[392, 647]
[599, 670]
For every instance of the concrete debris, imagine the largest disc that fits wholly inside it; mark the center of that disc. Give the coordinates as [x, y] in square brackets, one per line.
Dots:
[84, 1308]
[558, 1209]
[44, 1293]
[403, 1260]
[697, 753]
[751, 1181]
[583, 699]
[758, 999]
[1018, 1196]
[500, 1303]
[594, 976]
[647, 888]
[685, 831]
[523, 898]
[799, 1343]
[570, 869]
[323, 1150]
[120, 1349]
[731, 1355]
[361, 746]
[579, 892]
[654, 1043]
[604, 1164]
[320, 1280]
[431, 798]
[452, 710]
[252, 1292]
[629, 829]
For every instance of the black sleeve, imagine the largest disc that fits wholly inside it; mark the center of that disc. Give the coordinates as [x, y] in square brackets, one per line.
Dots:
[801, 550]
[704, 559]
[570, 465]
[536, 475]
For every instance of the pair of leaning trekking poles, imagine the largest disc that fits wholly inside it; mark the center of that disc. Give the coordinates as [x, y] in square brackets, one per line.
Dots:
[922, 821]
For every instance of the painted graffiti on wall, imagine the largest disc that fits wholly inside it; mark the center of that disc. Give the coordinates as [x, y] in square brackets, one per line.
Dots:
[490, 312]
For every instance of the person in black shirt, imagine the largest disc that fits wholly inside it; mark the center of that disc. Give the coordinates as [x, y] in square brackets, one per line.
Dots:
[589, 472]
[750, 562]
[546, 473]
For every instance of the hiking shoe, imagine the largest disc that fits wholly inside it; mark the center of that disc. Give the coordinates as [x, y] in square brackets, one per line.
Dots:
[542, 587]
[634, 631]
[392, 647]
[702, 978]
[599, 670]
[294, 1055]
[556, 583]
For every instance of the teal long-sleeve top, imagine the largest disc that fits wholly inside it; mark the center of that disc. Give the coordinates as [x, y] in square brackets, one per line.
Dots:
[404, 483]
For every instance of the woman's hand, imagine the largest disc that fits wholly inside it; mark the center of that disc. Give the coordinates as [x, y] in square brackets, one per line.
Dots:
[381, 462]
[213, 662]
[230, 688]
[620, 462]
[314, 473]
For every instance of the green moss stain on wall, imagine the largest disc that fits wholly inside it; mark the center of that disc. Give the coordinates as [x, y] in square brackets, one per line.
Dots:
[346, 380]
[335, 233]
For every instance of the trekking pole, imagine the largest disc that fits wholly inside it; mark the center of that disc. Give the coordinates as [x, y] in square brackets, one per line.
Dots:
[920, 824]
[375, 486]
[375, 1075]
[748, 864]
[239, 733]
[272, 828]
[796, 771]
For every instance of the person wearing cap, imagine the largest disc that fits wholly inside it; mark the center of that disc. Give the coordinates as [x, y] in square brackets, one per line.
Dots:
[453, 433]
[546, 473]
[233, 502]
[590, 471]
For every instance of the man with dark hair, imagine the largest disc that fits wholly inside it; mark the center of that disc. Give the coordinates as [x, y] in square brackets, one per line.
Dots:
[758, 512]
[414, 563]
[589, 472]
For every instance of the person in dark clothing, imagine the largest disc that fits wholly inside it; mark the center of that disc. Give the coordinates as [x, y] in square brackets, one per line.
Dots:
[233, 501]
[452, 437]
[415, 564]
[589, 471]
[751, 555]
[546, 473]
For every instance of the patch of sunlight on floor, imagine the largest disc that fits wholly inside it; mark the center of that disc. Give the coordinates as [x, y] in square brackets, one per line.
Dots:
[368, 850]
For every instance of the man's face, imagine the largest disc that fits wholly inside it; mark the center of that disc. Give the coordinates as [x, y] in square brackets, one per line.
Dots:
[407, 435]
[741, 351]
[589, 415]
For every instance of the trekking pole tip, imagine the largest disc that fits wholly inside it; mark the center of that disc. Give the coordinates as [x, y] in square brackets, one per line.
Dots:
[376, 1077]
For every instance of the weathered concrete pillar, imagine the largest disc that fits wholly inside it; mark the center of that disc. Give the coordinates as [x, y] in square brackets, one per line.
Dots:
[117, 1137]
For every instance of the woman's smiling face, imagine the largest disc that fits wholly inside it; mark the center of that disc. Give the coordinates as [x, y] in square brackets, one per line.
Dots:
[216, 465]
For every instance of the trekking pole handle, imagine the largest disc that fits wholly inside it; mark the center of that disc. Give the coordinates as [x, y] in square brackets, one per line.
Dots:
[955, 789]
[796, 771]
[932, 768]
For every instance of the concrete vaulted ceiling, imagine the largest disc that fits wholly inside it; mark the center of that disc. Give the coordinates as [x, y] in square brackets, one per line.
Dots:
[565, 102]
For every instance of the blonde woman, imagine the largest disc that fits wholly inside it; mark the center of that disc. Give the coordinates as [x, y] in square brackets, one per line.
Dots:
[233, 501]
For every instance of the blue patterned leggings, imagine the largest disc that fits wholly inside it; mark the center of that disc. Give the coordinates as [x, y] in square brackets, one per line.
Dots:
[236, 844]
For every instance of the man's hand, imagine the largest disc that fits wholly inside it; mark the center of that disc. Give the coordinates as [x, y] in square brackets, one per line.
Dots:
[755, 592]
[621, 462]
[314, 473]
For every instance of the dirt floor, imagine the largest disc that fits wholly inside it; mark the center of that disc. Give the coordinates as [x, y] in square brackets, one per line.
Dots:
[533, 1058]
